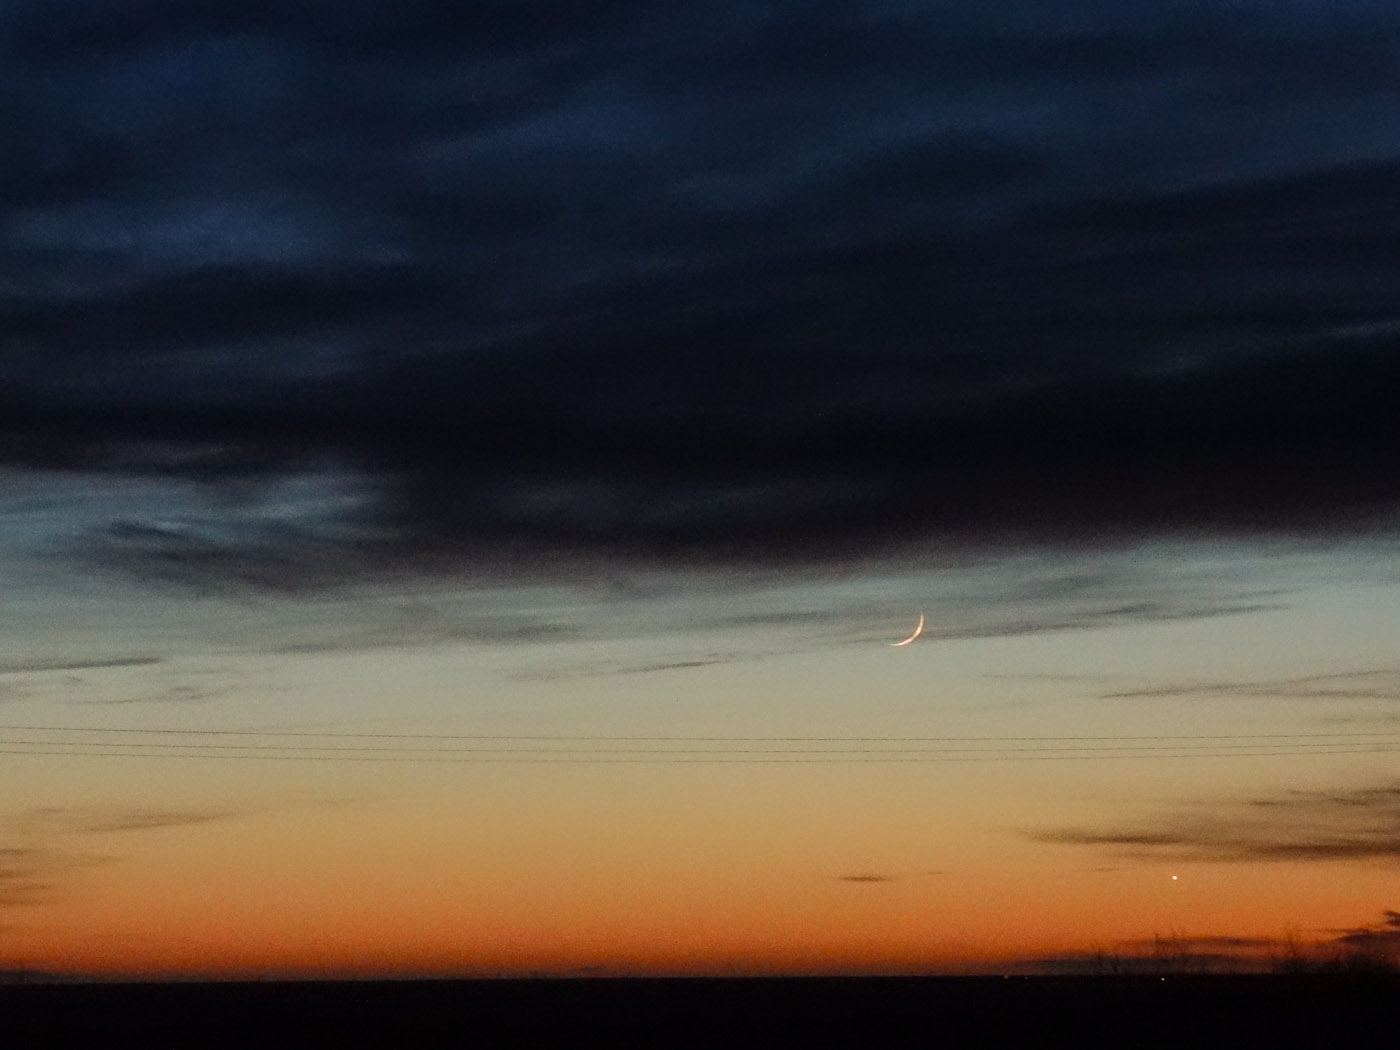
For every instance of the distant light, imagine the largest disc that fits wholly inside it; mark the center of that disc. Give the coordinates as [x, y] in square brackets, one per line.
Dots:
[1173, 878]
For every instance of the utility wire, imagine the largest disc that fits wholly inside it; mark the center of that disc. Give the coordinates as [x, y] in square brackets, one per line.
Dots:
[599, 749]
[697, 757]
[1299, 748]
[335, 734]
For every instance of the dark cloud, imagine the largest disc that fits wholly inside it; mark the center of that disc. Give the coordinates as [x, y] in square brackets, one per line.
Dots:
[727, 282]
[18, 881]
[1374, 947]
[865, 878]
[34, 875]
[1080, 592]
[252, 556]
[44, 850]
[1375, 719]
[39, 852]
[622, 667]
[413, 630]
[146, 820]
[175, 694]
[68, 821]
[1377, 684]
[1151, 611]
[1384, 936]
[42, 666]
[1350, 825]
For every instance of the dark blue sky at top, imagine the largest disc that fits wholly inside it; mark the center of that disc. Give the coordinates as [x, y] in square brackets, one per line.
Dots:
[713, 275]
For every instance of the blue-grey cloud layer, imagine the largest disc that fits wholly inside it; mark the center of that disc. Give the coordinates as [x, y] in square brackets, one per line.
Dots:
[733, 278]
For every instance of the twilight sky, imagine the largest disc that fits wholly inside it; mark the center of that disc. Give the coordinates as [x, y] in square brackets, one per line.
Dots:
[620, 377]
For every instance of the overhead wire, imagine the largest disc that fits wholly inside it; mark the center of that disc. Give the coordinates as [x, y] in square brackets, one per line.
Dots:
[305, 745]
[715, 758]
[338, 734]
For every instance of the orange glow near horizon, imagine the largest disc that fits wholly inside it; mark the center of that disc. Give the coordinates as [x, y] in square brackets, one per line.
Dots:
[681, 882]
[748, 801]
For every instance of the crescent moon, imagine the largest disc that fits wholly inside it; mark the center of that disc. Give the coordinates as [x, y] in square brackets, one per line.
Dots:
[917, 631]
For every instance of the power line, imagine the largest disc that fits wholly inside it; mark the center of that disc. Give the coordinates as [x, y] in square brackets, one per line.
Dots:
[602, 738]
[1299, 748]
[697, 757]
[598, 749]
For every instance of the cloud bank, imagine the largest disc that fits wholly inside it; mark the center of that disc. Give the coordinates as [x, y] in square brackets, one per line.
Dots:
[752, 281]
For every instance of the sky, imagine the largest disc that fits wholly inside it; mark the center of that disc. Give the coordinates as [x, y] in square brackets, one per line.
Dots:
[462, 476]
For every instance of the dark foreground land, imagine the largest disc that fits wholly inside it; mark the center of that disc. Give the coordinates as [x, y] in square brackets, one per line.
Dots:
[875, 1013]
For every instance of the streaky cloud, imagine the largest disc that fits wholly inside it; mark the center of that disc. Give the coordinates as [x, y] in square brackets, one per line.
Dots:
[1374, 684]
[1359, 824]
[24, 667]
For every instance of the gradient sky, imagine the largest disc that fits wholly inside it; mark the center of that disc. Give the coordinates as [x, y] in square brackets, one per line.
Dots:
[461, 477]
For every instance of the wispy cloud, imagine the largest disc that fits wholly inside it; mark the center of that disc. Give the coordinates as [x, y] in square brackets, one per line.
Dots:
[44, 849]
[18, 667]
[71, 821]
[36, 875]
[866, 877]
[238, 554]
[176, 694]
[1379, 938]
[147, 820]
[1378, 684]
[1051, 619]
[620, 667]
[1350, 825]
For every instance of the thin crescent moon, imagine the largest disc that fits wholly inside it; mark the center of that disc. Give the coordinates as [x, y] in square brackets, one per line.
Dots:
[917, 631]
